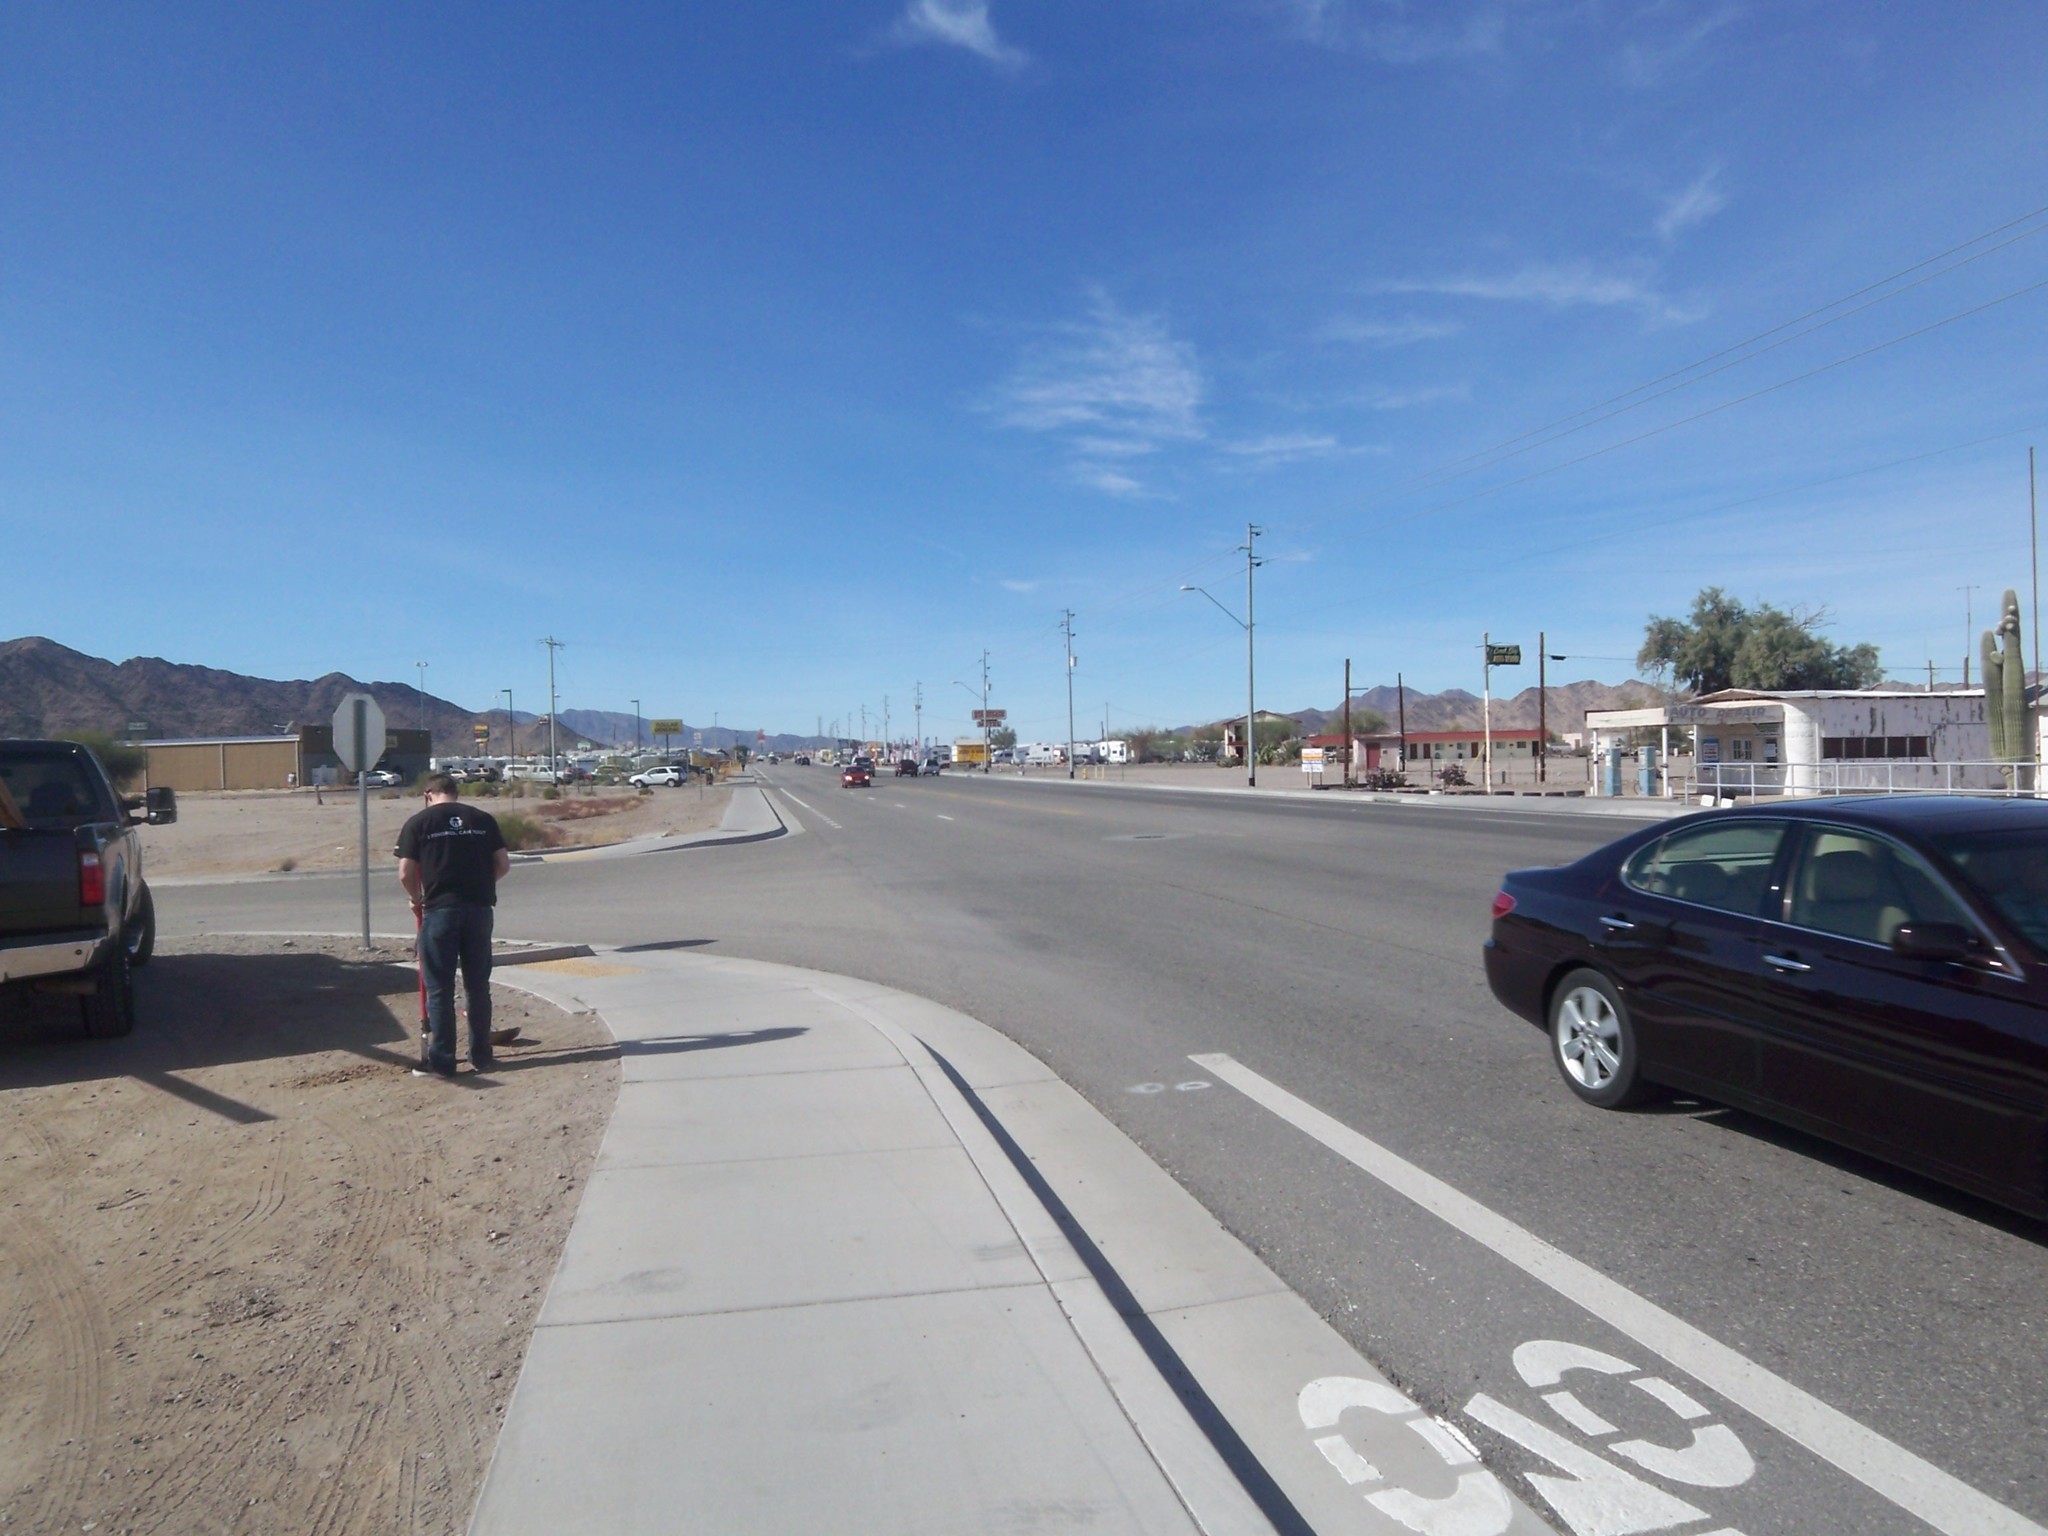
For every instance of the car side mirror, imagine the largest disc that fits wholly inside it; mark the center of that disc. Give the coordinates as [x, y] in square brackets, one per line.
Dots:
[160, 805]
[1933, 941]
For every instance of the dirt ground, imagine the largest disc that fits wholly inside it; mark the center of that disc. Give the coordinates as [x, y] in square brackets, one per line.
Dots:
[246, 832]
[259, 1278]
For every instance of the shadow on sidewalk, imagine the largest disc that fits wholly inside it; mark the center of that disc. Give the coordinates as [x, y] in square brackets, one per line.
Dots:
[663, 1045]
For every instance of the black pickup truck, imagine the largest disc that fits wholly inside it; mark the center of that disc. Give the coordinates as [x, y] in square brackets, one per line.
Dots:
[75, 915]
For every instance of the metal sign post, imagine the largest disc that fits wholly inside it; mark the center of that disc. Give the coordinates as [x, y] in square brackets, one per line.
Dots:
[359, 742]
[1496, 656]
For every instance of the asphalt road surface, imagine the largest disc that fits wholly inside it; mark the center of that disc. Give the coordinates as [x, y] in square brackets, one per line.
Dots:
[1853, 1349]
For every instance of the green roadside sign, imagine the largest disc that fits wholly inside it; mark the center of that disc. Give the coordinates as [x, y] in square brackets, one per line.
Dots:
[1503, 655]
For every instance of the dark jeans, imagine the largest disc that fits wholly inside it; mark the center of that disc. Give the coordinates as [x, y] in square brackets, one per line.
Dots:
[451, 937]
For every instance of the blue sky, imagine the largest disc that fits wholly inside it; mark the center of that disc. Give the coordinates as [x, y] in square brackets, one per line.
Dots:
[780, 358]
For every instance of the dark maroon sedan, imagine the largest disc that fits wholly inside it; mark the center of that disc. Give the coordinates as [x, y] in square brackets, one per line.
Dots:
[1872, 970]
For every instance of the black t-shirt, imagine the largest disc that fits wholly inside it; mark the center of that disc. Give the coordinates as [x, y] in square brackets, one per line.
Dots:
[455, 845]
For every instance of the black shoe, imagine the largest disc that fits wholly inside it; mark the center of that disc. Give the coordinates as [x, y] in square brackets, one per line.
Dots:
[430, 1072]
[483, 1063]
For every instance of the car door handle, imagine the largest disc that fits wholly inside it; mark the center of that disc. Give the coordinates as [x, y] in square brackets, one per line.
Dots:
[1787, 964]
[1617, 925]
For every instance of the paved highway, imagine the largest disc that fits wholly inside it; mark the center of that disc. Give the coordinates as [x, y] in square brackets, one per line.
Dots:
[1852, 1348]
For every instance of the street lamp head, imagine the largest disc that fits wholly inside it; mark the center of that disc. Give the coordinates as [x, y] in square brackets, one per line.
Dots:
[1186, 588]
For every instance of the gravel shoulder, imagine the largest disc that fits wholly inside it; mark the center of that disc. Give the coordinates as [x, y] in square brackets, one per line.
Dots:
[263, 1279]
[253, 832]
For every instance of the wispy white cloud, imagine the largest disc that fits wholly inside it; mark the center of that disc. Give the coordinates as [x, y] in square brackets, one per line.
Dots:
[1284, 446]
[1646, 63]
[1448, 30]
[1695, 205]
[1563, 285]
[1426, 394]
[1116, 386]
[957, 24]
[1020, 586]
[1390, 333]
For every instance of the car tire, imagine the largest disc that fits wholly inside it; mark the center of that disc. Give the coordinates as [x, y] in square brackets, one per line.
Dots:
[1593, 1043]
[141, 931]
[109, 1009]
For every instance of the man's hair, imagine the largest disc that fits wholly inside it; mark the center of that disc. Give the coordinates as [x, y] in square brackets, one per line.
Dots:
[440, 784]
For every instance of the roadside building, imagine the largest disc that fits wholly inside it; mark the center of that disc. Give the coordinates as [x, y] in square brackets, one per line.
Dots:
[306, 756]
[1744, 742]
[1468, 746]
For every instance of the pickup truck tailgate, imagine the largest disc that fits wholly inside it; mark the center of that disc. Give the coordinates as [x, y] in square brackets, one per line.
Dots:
[39, 884]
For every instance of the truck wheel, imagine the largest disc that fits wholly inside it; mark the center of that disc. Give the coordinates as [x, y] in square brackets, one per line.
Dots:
[109, 1009]
[141, 933]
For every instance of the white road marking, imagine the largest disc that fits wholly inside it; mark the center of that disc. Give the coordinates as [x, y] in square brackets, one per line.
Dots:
[945, 818]
[1476, 1506]
[1914, 1484]
[817, 813]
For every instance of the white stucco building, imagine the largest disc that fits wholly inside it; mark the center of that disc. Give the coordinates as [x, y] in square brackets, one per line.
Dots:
[1750, 742]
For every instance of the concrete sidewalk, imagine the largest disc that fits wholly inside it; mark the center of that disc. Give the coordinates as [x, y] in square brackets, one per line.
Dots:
[853, 1262]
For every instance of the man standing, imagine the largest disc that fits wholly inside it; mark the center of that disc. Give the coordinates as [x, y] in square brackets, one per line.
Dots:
[451, 857]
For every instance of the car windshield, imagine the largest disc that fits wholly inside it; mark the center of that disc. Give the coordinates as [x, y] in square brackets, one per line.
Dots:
[2008, 867]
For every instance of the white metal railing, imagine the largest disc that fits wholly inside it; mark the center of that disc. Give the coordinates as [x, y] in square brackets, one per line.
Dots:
[1858, 776]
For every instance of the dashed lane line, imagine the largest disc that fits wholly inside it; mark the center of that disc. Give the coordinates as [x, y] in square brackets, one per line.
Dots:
[1914, 1484]
[813, 810]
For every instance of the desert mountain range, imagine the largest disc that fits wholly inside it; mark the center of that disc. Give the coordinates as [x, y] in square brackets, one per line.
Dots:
[47, 689]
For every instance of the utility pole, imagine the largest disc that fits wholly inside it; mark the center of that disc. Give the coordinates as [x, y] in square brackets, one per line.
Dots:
[554, 758]
[1251, 706]
[1348, 781]
[863, 727]
[1067, 628]
[421, 691]
[917, 705]
[511, 727]
[886, 748]
[984, 712]
[1930, 674]
[1486, 703]
[1401, 709]
[1969, 631]
[636, 727]
[1542, 709]
[2034, 540]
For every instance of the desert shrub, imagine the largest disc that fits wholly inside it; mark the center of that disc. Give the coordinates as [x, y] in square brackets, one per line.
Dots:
[647, 790]
[1386, 778]
[389, 794]
[521, 832]
[125, 764]
[551, 793]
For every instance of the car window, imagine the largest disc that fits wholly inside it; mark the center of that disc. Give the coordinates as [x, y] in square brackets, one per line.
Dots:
[2009, 869]
[51, 792]
[1862, 887]
[1725, 865]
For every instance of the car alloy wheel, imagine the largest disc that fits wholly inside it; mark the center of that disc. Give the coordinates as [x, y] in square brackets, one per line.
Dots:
[1594, 1042]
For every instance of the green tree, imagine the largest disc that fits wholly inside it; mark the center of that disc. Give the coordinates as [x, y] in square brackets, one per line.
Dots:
[1003, 737]
[124, 763]
[1728, 645]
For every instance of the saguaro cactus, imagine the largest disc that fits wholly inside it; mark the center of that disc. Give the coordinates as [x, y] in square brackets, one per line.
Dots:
[2005, 687]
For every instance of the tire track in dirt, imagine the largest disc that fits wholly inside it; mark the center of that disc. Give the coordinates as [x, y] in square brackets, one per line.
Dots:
[65, 1351]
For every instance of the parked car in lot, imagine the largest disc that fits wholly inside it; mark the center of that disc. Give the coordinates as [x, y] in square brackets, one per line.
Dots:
[383, 778]
[75, 915]
[1871, 970]
[856, 776]
[665, 774]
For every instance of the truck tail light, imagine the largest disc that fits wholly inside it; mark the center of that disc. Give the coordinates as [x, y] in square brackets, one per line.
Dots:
[1503, 904]
[92, 880]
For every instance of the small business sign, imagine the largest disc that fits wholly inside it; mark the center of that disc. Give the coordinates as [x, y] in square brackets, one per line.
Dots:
[991, 716]
[1312, 759]
[481, 731]
[665, 727]
[1503, 655]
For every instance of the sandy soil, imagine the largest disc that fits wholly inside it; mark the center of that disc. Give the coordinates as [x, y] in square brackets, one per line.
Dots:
[259, 1278]
[256, 831]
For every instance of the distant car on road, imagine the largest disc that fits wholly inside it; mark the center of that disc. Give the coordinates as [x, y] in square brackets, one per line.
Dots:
[906, 767]
[932, 766]
[383, 778]
[802, 759]
[1871, 970]
[665, 774]
[856, 776]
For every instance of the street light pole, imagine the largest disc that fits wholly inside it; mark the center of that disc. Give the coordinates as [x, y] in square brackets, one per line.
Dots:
[1251, 712]
[1067, 625]
[421, 692]
[554, 755]
[511, 727]
[636, 727]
